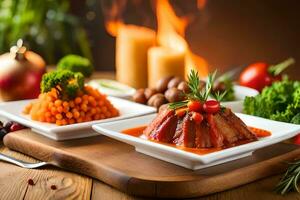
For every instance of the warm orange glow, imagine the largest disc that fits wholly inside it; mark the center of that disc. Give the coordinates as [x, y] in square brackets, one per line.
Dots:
[201, 4]
[171, 32]
[112, 27]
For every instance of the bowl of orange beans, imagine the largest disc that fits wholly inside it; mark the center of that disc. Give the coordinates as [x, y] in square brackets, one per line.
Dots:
[88, 105]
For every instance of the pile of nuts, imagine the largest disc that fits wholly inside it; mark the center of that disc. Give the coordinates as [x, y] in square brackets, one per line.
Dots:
[168, 90]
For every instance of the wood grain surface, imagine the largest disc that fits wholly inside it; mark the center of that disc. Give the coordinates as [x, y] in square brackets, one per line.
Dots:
[118, 165]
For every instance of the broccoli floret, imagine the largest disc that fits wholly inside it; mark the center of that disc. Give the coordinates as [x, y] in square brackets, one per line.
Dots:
[76, 63]
[69, 83]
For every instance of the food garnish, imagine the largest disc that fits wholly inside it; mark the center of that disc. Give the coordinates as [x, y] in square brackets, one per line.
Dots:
[261, 74]
[280, 102]
[196, 98]
[198, 122]
[289, 181]
[76, 63]
[65, 100]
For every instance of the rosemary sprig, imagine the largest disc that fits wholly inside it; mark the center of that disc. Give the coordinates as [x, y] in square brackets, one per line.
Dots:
[198, 94]
[177, 105]
[289, 182]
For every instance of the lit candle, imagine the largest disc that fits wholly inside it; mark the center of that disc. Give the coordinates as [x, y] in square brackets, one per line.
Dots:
[132, 45]
[164, 61]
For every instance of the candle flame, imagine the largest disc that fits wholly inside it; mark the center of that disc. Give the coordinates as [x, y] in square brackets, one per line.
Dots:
[170, 31]
[171, 34]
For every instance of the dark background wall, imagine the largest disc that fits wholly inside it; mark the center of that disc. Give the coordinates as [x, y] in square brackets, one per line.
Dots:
[227, 33]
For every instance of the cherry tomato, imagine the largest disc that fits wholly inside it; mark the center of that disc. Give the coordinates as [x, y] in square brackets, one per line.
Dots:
[255, 76]
[195, 106]
[211, 106]
[297, 139]
[197, 117]
[259, 75]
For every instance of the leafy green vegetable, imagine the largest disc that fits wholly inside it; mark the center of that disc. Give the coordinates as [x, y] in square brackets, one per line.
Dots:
[280, 102]
[46, 26]
[69, 83]
[76, 63]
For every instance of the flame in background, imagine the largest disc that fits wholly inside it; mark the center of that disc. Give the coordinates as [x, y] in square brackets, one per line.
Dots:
[170, 33]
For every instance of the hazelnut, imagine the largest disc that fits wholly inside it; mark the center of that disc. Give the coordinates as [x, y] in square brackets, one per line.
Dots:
[139, 96]
[174, 95]
[183, 86]
[174, 82]
[149, 92]
[157, 100]
[162, 84]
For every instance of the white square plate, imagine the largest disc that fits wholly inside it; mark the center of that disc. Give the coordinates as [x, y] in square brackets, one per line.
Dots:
[280, 131]
[13, 111]
[240, 92]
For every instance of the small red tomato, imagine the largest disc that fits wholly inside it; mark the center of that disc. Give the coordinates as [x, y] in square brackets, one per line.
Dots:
[259, 75]
[255, 76]
[211, 106]
[197, 117]
[297, 139]
[195, 106]
[16, 127]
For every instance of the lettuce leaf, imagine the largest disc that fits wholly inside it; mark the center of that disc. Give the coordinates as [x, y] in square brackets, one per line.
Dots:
[280, 102]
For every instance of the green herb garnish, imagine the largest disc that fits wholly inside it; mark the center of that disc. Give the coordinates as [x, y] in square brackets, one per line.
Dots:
[289, 182]
[198, 94]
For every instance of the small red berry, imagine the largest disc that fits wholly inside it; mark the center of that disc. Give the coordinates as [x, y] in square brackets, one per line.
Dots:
[15, 127]
[211, 106]
[195, 106]
[197, 117]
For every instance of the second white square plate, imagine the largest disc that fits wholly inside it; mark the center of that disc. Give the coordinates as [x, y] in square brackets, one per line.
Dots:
[13, 111]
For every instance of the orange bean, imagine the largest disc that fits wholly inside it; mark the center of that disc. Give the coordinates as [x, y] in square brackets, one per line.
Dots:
[69, 115]
[78, 100]
[58, 103]
[58, 116]
[60, 109]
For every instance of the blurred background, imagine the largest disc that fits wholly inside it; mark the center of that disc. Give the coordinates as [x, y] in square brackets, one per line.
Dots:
[226, 33]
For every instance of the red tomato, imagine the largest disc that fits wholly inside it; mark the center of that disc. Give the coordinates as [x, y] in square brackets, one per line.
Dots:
[197, 117]
[195, 106]
[259, 75]
[211, 106]
[256, 76]
[297, 139]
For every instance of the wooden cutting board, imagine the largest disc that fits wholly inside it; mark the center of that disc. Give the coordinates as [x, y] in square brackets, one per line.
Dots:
[118, 165]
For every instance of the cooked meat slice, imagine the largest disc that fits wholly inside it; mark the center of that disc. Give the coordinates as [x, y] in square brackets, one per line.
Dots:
[202, 139]
[230, 134]
[187, 137]
[178, 131]
[239, 125]
[159, 119]
[165, 132]
[215, 137]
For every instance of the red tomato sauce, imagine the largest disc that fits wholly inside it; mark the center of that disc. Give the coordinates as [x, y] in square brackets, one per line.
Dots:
[138, 131]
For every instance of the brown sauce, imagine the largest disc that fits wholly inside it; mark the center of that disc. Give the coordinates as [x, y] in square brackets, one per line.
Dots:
[138, 131]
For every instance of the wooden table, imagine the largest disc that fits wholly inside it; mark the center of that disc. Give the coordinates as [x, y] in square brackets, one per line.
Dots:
[54, 183]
